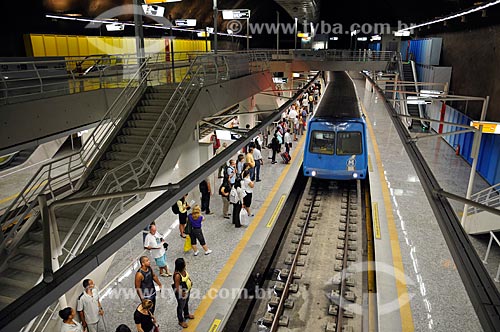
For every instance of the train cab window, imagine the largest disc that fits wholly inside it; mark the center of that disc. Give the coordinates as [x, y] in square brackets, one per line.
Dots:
[322, 142]
[349, 143]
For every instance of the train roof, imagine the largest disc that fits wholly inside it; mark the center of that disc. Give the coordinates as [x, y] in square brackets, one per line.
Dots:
[339, 99]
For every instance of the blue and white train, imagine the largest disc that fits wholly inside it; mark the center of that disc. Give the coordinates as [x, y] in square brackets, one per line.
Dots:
[336, 146]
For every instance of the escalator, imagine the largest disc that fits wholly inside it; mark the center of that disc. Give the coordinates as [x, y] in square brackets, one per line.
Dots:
[16, 159]
[413, 110]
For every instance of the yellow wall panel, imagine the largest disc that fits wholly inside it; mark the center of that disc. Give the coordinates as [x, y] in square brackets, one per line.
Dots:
[37, 45]
[73, 46]
[50, 45]
[83, 45]
[62, 45]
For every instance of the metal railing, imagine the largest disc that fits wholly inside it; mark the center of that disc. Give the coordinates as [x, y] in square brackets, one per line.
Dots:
[489, 197]
[324, 55]
[66, 171]
[485, 261]
[30, 80]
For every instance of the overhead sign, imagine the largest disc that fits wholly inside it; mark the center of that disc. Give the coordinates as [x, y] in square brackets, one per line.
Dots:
[186, 22]
[153, 10]
[236, 14]
[115, 27]
[280, 80]
[488, 127]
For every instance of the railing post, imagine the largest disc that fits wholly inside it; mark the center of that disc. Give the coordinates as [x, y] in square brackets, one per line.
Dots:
[485, 261]
[48, 273]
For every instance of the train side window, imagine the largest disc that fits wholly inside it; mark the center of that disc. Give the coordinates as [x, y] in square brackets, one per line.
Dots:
[322, 142]
[349, 143]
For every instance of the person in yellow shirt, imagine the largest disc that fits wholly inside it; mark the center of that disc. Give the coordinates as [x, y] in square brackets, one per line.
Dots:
[251, 161]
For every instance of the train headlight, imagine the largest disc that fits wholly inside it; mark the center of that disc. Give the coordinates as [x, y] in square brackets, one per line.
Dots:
[313, 173]
[355, 175]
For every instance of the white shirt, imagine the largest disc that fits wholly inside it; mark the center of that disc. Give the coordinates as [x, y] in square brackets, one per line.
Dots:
[305, 102]
[293, 114]
[246, 185]
[288, 137]
[256, 154]
[90, 306]
[153, 241]
[76, 327]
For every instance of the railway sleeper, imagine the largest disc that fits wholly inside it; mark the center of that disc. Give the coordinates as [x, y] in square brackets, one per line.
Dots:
[303, 251]
[285, 273]
[309, 232]
[332, 327]
[310, 225]
[296, 240]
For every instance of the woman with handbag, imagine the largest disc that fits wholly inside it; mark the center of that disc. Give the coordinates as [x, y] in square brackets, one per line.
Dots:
[182, 288]
[144, 319]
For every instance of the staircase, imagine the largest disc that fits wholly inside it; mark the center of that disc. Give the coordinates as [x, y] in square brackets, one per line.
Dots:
[413, 110]
[17, 159]
[480, 221]
[124, 153]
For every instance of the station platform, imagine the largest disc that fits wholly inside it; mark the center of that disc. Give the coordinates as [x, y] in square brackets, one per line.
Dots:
[418, 285]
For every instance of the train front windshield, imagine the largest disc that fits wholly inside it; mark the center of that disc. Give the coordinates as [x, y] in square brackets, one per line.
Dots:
[322, 142]
[349, 143]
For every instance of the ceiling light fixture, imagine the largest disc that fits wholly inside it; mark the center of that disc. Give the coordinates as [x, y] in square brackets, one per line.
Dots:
[450, 17]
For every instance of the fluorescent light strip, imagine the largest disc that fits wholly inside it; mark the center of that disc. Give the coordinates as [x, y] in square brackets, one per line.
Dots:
[132, 24]
[467, 12]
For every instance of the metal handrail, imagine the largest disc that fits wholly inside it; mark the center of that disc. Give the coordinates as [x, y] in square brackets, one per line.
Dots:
[48, 78]
[485, 261]
[489, 196]
[50, 176]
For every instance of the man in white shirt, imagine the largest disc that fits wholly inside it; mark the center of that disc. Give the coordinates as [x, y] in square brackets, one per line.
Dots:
[287, 140]
[89, 308]
[292, 116]
[257, 156]
[154, 241]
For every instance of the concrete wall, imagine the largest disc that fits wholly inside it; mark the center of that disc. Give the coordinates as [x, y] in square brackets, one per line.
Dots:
[475, 58]
[42, 120]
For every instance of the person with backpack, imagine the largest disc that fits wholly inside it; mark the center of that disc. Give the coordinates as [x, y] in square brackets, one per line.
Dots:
[230, 172]
[206, 192]
[224, 191]
[236, 198]
[181, 208]
[182, 288]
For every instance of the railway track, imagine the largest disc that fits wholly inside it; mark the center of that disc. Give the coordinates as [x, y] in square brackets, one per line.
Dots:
[317, 285]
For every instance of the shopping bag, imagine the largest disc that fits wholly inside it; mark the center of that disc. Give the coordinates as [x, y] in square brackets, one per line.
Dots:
[187, 243]
[244, 219]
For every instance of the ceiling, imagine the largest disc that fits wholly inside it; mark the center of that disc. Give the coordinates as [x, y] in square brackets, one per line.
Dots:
[307, 10]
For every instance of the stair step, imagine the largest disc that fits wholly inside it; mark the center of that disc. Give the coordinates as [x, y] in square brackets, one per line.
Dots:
[122, 147]
[154, 102]
[140, 132]
[26, 264]
[99, 173]
[141, 124]
[146, 116]
[31, 248]
[36, 236]
[110, 164]
[23, 279]
[65, 224]
[162, 88]
[125, 156]
[149, 109]
[131, 139]
[158, 95]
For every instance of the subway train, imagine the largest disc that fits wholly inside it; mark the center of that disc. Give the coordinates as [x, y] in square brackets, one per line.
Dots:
[336, 146]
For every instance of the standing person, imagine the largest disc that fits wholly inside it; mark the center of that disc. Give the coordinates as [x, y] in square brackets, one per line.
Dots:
[89, 307]
[231, 172]
[155, 242]
[215, 142]
[235, 123]
[144, 285]
[182, 289]
[257, 156]
[291, 117]
[288, 141]
[196, 219]
[241, 165]
[248, 186]
[224, 191]
[69, 325]
[275, 146]
[250, 161]
[236, 198]
[223, 167]
[183, 209]
[206, 192]
[143, 316]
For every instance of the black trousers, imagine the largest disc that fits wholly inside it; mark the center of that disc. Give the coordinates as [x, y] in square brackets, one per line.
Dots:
[236, 214]
[205, 202]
